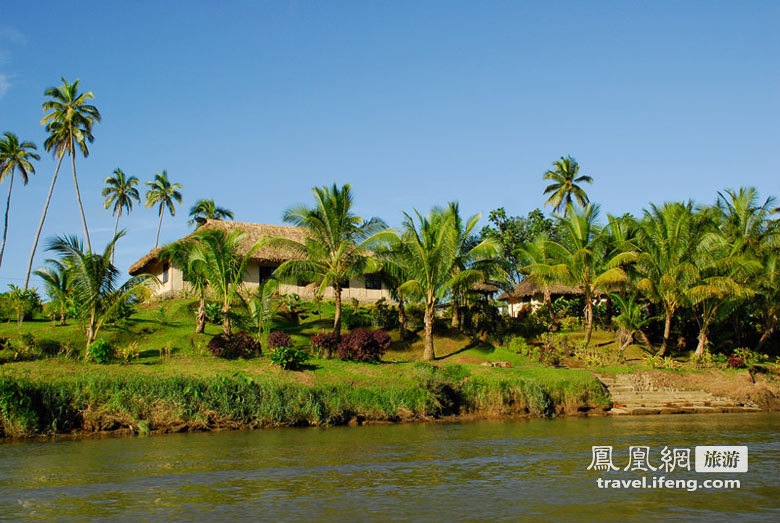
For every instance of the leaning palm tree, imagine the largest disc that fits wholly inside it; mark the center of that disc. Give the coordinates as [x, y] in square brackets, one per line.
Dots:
[15, 157]
[582, 259]
[120, 191]
[216, 255]
[334, 248]
[207, 210]
[630, 321]
[57, 281]
[564, 189]
[94, 281]
[165, 194]
[69, 122]
[426, 253]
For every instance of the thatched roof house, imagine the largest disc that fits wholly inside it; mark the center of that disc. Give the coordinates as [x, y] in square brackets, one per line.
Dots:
[529, 287]
[262, 263]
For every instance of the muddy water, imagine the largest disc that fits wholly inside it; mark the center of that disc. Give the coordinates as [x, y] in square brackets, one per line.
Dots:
[530, 470]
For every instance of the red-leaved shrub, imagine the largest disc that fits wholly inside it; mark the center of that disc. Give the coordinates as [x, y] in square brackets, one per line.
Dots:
[325, 343]
[278, 339]
[237, 345]
[363, 345]
[735, 362]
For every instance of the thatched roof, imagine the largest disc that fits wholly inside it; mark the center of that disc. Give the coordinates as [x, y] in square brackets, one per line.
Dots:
[252, 233]
[484, 287]
[529, 287]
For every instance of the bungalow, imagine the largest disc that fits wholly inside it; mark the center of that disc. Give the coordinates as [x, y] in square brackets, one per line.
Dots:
[366, 289]
[528, 296]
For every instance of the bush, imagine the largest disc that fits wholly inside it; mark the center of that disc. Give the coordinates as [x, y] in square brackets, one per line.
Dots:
[750, 357]
[364, 345]
[289, 358]
[128, 353]
[278, 339]
[213, 313]
[100, 351]
[237, 345]
[570, 323]
[736, 362]
[518, 345]
[324, 343]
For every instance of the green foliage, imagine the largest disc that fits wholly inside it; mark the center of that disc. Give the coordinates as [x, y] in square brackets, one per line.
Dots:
[100, 351]
[23, 302]
[288, 357]
[750, 357]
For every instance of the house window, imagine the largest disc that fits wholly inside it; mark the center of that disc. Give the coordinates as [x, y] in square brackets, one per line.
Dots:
[266, 273]
[373, 282]
[345, 284]
[166, 270]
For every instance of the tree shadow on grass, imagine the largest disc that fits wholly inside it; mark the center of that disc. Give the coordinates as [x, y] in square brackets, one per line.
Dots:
[478, 345]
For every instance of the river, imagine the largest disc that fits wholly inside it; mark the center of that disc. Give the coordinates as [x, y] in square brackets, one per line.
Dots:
[510, 470]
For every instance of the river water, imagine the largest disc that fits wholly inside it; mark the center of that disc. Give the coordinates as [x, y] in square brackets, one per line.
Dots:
[511, 470]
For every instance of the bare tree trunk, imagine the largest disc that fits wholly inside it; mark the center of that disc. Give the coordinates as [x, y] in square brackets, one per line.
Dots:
[40, 225]
[703, 340]
[159, 226]
[644, 338]
[7, 207]
[62, 316]
[588, 318]
[455, 314]
[667, 333]
[200, 323]
[226, 330]
[401, 320]
[767, 333]
[428, 353]
[90, 332]
[78, 198]
[337, 316]
[116, 227]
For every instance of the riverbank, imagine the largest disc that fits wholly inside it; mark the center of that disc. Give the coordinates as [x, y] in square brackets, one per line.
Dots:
[66, 397]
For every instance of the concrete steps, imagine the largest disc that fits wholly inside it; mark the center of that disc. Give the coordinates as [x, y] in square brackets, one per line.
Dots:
[627, 400]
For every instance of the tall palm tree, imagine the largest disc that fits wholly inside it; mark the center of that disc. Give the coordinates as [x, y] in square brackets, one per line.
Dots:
[564, 189]
[668, 238]
[94, 281]
[426, 253]
[14, 156]
[582, 259]
[745, 221]
[57, 281]
[69, 122]
[165, 194]
[768, 294]
[207, 210]
[216, 256]
[119, 192]
[334, 249]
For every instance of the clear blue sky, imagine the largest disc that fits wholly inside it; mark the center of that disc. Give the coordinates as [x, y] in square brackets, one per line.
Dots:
[414, 103]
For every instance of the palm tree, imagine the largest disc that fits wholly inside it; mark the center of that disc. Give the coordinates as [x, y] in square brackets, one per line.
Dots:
[180, 255]
[564, 189]
[744, 221]
[57, 281]
[14, 156]
[164, 193]
[631, 320]
[69, 123]
[120, 192]
[207, 210]
[668, 238]
[334, 249]
[768, 294]
[215, 255]
[264, 306]
[581, 259]
[426, 253]
[93, 281]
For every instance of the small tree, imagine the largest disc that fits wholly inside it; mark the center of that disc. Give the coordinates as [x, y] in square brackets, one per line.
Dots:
[23, 302]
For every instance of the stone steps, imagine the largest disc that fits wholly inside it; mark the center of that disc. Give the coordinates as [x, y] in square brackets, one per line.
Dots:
[628, 401]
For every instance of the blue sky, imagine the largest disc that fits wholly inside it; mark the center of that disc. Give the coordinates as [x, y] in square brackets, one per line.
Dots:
[414, 103]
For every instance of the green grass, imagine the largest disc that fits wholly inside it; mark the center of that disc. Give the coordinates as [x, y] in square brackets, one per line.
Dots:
[192, 390]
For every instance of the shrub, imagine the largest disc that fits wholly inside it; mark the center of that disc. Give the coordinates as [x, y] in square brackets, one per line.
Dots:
[570, 323]
[289, 358]
[736, 362]
[100, 351]
[518, 345]
[750, 357]
[23, 302]
[324, 343]
[237, 345]
[128, 353]
[278, 339]
[213, 313]
[364, 345]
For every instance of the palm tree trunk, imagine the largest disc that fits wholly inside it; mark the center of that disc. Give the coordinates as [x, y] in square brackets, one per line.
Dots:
[337, 316]
[401, 320]
[201, 321]
[78, 198]
[429, 354]
[62, 315]
[7, 207]
[588, 318]
[667, 333]
[767, 332]
[159, 226]
[116, 227]
[455, 311]
[226, 330]
[90, 332]
[644, 338]
[703, 340]
[40, 225]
